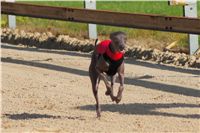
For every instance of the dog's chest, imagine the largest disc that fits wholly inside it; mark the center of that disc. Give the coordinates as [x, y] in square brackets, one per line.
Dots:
[113, 65]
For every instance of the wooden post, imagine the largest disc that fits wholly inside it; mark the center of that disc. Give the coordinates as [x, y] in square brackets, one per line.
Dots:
[92, 28]
[190, 10]
[11, 18]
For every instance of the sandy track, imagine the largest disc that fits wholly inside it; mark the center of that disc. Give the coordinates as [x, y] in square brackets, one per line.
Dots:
[50, 91]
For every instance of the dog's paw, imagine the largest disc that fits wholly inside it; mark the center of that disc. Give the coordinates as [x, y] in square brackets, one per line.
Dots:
[98, 115]
[118, 99]
[113, 98]
[108, 92]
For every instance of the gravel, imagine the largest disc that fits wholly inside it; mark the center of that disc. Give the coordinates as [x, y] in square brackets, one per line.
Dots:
[50, 41]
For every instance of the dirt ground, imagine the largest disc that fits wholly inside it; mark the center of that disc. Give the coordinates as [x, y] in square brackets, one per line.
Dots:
[50, 91]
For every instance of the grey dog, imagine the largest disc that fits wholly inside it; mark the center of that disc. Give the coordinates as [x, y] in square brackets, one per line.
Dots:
[108, 59]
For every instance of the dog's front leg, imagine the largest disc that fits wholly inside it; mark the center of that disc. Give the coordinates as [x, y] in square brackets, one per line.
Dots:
[121, 81]
[110, 92]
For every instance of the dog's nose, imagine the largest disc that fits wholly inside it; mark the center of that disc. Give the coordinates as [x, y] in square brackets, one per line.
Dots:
[122, 47]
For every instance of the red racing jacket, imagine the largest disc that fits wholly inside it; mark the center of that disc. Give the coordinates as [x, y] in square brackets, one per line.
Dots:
[114, 59]
[103, 47]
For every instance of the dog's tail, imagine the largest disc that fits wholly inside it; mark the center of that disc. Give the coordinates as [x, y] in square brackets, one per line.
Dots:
[96, 41]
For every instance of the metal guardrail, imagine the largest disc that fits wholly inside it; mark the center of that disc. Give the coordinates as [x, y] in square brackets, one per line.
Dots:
[141, 21]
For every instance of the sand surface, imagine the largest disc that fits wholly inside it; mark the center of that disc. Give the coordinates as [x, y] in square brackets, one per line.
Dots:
[50, 91]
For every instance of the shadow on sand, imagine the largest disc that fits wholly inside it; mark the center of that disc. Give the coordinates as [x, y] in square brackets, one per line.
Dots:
[146, 109]
[52, 51]
[130, 81]
[28, 116]
[128, 61]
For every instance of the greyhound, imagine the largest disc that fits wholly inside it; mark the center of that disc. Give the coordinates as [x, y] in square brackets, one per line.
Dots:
[108, 59]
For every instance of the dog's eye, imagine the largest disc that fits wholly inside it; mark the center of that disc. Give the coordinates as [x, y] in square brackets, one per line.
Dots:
[117, 42]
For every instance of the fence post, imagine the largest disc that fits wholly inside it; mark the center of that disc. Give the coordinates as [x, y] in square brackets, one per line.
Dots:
[92, 28]
[190, 10]
[11, 18]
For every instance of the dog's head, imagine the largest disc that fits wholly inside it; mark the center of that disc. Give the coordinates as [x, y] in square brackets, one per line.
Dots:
[118, 41]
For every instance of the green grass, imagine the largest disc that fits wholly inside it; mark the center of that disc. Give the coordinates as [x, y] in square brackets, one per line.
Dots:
[80, 29]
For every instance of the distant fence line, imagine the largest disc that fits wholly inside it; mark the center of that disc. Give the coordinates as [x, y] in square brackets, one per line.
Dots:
[141, 21]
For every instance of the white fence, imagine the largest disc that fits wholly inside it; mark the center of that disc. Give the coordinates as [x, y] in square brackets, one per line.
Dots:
[190, 10]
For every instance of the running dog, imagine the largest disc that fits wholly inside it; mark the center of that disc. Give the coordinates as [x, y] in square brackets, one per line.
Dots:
[108, 59]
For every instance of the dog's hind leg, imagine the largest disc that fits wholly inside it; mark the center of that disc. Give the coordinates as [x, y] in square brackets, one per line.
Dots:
[102, 66]
[95, 82]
